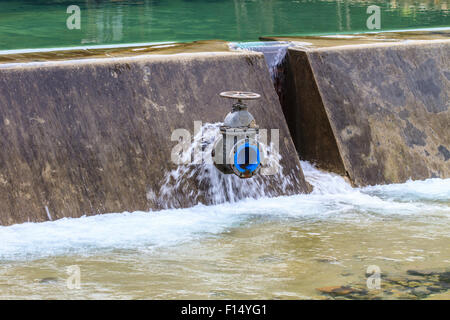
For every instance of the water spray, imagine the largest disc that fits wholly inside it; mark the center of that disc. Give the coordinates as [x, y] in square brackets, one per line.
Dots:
[237, 149]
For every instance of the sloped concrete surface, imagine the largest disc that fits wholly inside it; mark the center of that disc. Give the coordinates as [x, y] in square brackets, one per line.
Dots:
[380, 113]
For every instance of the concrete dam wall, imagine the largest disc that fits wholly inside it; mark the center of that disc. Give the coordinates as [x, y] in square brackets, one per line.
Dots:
[94, 136]
[377, 113]
[91, 136]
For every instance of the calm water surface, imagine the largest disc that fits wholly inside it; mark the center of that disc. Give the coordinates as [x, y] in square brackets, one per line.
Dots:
[42, 23]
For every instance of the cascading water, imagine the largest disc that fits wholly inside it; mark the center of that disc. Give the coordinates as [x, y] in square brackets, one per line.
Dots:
[275, 53]
[212, 186]
[333, 199]
[293, 240]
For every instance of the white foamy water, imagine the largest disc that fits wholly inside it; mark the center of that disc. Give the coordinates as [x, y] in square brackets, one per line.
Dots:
[431, 190]
[332, 199]
[211, 186]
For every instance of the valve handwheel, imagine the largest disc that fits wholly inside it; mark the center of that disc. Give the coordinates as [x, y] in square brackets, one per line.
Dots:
[240, 95]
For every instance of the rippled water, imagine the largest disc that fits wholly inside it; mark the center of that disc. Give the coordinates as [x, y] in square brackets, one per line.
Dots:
[42, 23]
[283, 247]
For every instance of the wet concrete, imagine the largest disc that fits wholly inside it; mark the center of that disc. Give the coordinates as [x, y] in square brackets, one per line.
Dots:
[379, 113]
[62, 54]
[326, 41]
[94, 136]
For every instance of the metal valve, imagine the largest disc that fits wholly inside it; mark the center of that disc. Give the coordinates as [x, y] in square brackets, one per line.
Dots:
[237, 150]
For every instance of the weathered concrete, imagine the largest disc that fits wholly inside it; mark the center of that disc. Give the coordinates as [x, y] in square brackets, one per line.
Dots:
[93, 136]
[363, 38]
[380, 113]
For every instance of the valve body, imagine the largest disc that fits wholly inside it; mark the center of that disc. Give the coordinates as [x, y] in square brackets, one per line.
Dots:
[237, 149]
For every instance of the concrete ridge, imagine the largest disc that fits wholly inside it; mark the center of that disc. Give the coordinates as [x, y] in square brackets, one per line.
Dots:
[364, 46]
[145, 57]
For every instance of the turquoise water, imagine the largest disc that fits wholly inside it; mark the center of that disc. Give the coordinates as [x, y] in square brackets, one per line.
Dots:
[42, 23]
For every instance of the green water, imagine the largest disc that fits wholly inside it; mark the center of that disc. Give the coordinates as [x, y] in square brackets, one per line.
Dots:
[42, 23]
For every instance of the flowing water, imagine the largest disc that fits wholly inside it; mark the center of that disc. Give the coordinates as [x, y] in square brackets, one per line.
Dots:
[42, 23]
[274, 248]
[246, 244]
[213, 187]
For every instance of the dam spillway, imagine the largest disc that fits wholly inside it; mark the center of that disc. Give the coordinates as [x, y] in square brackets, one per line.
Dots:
[83, 137]
[87, 134]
